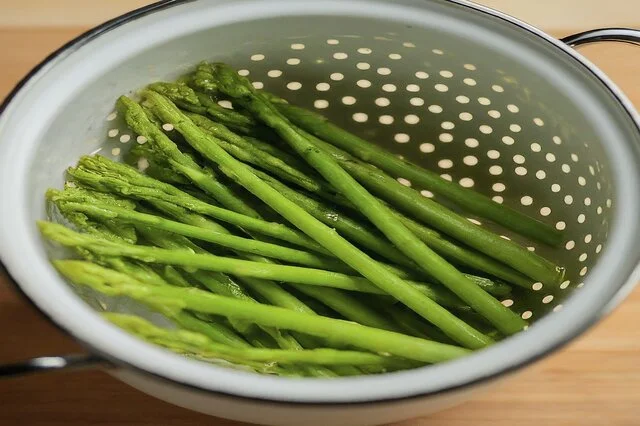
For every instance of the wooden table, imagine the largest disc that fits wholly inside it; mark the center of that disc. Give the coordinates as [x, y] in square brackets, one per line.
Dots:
[595, 381]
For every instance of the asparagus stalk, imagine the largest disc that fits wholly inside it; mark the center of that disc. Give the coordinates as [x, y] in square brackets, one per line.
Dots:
[444, 219]
[105, 212]
[269, 290]
[213, 329]
[348, 227]
[248, 153]
[448, 249]
[158, 167]
[327, 237]
[470, 200]
[199, 103]
[375, 340]
[105, 175]
[139, 122]
[435, 214]
[482, 302]
[209, 262]
[348, 306]
[360, 234]
[187, 342]
[222, 284]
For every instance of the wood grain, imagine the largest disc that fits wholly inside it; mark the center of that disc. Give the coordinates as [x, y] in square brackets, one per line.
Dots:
[595, 381]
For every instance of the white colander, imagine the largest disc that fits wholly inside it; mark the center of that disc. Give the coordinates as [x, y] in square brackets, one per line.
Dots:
[485, 100]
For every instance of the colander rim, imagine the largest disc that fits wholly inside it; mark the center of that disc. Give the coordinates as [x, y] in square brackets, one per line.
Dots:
[614, 296]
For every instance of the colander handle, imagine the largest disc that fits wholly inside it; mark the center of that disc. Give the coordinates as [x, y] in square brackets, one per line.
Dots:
[44, 364]
[625, 35]
[49, 364]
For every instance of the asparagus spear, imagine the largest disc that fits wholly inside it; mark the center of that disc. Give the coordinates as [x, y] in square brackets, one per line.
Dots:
[105, 212]
[222, 284]
[347, 306]
[444, 219]
[357, 233]
[213, 329]
[209, 262]
[187, 342]
[470, 200]
[105, 175]
[375, 340]
[206, 145]
[348, 227]
[241, 90]
[433, 213]
[139, 122]
[248, 153]
[360, 234]
[158, 167]
[199, 103]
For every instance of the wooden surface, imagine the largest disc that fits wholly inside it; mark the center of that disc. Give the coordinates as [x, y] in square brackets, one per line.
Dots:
[595, 381]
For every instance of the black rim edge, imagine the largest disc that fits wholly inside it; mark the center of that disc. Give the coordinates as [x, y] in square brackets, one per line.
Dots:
[107, 26]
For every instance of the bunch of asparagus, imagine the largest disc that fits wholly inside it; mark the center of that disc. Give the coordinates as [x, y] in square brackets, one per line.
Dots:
[275, 240]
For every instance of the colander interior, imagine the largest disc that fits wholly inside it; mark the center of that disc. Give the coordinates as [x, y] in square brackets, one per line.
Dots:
[494, 110]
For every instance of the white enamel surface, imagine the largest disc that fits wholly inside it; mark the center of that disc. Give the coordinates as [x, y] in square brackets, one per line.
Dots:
[59, 115]
[286, 415]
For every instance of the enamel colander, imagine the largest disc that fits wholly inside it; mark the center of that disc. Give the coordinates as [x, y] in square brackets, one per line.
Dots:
[483, 99]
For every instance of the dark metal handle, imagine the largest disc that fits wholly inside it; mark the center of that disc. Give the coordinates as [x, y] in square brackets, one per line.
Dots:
[625, 35]
[46, 363]
[50, 363]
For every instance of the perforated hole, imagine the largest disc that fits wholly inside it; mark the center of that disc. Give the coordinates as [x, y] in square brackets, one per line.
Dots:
[411, 119]
[441, 87]
[445, 137]
[427, 147]
[402, 138]
[385, 119]
[360, 117]
[471, 142]
[349, 100]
